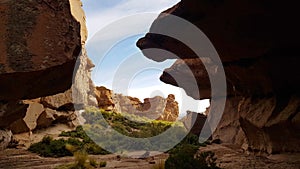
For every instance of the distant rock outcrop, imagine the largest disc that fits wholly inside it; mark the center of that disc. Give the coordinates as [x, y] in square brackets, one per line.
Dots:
[104, 98]
[258, 46]
[154, 108]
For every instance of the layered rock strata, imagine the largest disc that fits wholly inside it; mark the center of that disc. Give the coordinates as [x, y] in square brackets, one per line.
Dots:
[257, 46]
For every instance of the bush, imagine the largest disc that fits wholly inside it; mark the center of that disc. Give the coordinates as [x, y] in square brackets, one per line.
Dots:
[77, 133]
[185, 157]
[97, 122]
[125, 123]
[51, 148]
[59, 148]
[81, 160]
[102, 164]
[93, 163]
[87, 143]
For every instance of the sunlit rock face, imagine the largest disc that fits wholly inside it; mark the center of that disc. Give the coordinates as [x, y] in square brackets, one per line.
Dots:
[158, 108]
[40, 46]
[41, 42]
[259, 51]
[42, 54]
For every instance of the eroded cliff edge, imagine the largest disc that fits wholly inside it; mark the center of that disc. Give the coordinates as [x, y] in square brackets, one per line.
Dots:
[257, 44]
[156, 108]
[43, 46]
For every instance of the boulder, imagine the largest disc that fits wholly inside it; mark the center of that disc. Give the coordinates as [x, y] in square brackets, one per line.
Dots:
[19, 126]
[41, 42]
[59, 101]
[261, 124]
[28, 123]
[5, 138]
[45, 119]
[44, 69]
[258, 47]
[11, 111]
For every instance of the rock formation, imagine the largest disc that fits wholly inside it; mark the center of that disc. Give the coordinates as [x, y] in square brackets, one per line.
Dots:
[154, 108]
[5, 138]
[258, 46]
[47, 111]
[194, 122]
[40, 46]
[104, 98]
[43, 54]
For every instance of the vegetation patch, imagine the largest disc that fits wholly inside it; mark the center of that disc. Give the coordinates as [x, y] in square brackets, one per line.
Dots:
[108, 130]
[184, 155]
[187, 157]
[82, 161]
[125, 123]
[49, 147]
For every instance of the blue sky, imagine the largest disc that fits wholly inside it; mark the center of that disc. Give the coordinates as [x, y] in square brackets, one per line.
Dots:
[120, 65]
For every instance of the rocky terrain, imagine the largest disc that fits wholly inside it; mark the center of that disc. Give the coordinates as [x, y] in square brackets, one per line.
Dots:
[43, 45]
[231, 156]
[257, 46]
[12, 158]
[43, 41]
[153, 108]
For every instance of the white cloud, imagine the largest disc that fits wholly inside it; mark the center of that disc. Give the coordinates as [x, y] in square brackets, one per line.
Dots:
[100, 18]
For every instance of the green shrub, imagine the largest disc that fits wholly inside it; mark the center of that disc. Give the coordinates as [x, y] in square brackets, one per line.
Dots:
[185, 157]
[81, 158]
[50, 148]
[102, 164]
[131, 126]
[192, 139]
[125, 123]
[77, 133]
[208, 158]
[93, 163]
[87, 143]
[58, 148]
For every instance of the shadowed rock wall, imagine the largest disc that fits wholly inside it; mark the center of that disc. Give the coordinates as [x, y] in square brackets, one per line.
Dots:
[257, 42]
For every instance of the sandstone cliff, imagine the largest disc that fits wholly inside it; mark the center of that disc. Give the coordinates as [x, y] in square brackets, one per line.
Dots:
[43, 53]
[154, 108]
[257, 42]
